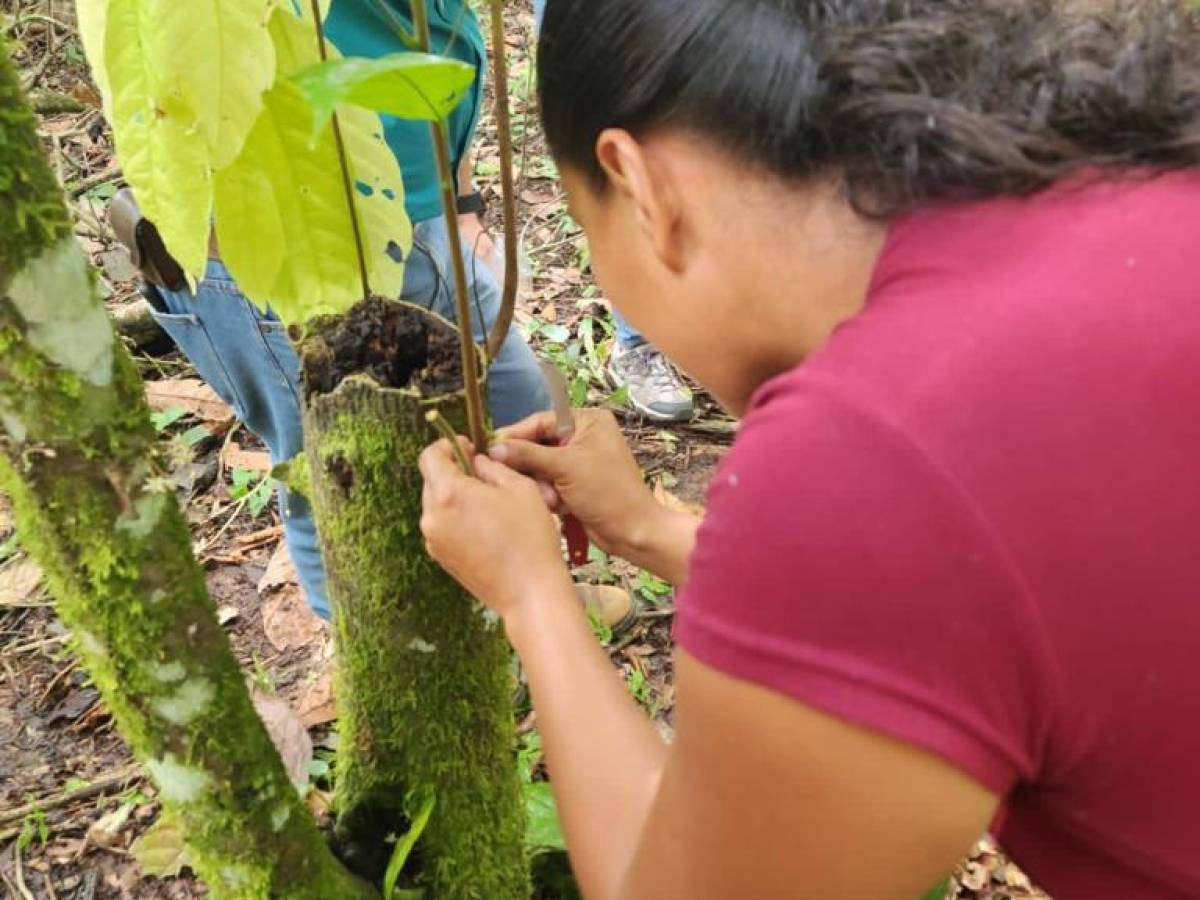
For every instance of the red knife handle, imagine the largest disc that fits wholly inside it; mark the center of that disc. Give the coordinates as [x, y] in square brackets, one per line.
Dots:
[577, 540]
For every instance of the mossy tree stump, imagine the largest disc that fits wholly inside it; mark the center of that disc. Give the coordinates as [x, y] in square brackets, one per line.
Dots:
[424, 683]
[77, 458]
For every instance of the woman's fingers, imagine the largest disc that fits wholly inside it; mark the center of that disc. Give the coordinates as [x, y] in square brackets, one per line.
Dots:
[532, 459]
[539, 428]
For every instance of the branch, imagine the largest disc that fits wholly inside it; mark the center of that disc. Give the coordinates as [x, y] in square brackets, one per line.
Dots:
[470, 362]
[512, 275]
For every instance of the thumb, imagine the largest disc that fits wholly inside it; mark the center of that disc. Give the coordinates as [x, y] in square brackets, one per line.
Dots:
[536, 460]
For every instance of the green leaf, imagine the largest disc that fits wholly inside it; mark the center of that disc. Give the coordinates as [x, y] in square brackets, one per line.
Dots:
[405, 845]
[164, 419]
[652, 588]
[281, 210]
[161, 851]
[408, 85]
[939, 892]
[558, 334]
[544, 830]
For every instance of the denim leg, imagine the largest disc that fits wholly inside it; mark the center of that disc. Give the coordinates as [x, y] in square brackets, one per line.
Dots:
[247, 359]
[516, 388]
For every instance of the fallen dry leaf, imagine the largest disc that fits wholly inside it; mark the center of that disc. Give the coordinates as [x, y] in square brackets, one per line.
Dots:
[234, 457]
[287, 619]
[160, 850]
[191, 394]
[317, 706]
[106, 831]
[288, 734]
[280, 570]
[19, 581]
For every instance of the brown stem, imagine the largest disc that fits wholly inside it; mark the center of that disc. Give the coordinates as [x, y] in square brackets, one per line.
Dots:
[508, 303]
[462, 305]
[446, 430]
[359, 246]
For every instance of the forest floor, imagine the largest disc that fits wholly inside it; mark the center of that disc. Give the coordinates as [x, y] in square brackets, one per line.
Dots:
[72, 802]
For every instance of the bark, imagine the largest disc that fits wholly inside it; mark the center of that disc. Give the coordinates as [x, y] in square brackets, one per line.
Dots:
[77, 457]
[424, 682]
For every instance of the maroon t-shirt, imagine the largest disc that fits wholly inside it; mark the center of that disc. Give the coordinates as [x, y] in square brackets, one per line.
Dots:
[972, 522]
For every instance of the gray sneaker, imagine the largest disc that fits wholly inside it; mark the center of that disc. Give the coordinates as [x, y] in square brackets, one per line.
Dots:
[655, 389]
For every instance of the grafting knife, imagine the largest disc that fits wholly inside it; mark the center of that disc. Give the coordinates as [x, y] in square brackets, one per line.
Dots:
[572, 529]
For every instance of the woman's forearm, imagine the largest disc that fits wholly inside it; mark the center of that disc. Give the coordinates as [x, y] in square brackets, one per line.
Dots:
[662, 543]
[604, 754]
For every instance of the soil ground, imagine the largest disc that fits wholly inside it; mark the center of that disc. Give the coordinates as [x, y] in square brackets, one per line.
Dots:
[71, 800]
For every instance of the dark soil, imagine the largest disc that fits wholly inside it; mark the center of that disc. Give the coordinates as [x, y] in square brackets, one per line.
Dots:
[396, 344]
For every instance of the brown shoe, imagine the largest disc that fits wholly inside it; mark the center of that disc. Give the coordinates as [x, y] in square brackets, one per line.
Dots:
[612, 606]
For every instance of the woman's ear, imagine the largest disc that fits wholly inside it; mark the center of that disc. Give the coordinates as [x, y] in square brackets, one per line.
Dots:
[648, 189]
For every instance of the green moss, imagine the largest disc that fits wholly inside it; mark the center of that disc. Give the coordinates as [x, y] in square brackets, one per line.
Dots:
[424, 684]
[32, 215]
[78, 461]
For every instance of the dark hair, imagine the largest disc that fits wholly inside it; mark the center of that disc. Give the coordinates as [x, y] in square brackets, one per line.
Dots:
[908, 101]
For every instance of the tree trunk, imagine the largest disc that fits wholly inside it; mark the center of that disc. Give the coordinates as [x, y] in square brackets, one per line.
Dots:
[424, 683]
[77, 457]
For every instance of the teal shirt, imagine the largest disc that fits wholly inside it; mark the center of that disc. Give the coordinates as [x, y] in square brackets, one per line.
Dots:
[361, 28]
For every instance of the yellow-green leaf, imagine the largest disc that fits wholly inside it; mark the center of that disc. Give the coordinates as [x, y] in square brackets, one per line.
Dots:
[183, 86]
[220, 60]
[282, 216]
[92, 16]
[164, 158]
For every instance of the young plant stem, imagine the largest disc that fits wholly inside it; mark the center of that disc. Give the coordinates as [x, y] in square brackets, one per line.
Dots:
[462, 304]
[443, 427]
[359, 246]
[508, 303]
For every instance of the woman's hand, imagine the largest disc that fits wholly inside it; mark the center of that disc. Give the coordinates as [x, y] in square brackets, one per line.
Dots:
[494, 534]
[594, 476]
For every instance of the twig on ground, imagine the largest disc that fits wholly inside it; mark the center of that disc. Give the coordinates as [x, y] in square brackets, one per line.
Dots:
[54, 682]
[100, 786]
[19, 874]
[47, 103]
[35, 645]
[79, 188]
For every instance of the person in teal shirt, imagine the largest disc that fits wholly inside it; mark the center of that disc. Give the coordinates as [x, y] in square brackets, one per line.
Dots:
[368, 28]
[245, 355]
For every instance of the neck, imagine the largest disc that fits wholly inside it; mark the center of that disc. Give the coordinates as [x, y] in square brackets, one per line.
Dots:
[803, 276]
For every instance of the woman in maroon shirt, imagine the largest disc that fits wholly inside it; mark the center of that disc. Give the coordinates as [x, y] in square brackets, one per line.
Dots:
[940, 254]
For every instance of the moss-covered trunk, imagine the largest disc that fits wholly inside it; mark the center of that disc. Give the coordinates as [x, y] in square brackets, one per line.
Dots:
[424, 683]
[77, 457]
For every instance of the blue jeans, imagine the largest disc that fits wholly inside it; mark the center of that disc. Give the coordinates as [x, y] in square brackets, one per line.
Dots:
[246, 357]
[627, 335]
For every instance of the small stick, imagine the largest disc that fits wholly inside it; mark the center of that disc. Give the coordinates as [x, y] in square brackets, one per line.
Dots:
[438, 421]
[102, 786]
[508, 193]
